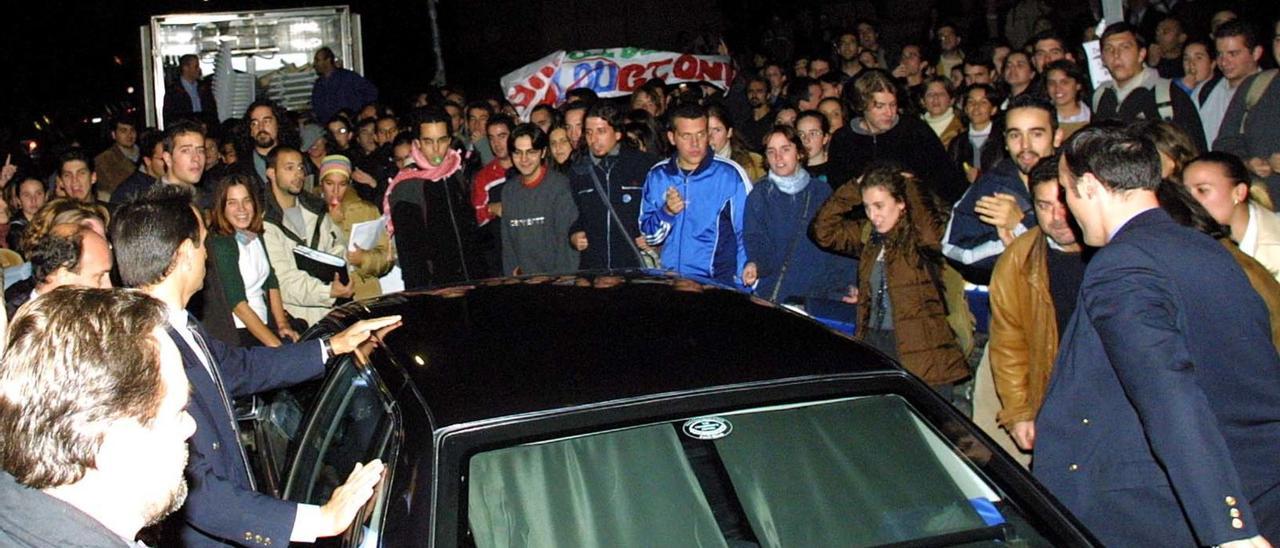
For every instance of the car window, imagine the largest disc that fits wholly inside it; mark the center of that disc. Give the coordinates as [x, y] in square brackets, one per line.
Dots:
[855, 471]
[351, 424]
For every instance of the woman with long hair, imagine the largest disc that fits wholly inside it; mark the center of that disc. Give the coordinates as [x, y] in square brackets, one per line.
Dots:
[901, 296]
[248, 282]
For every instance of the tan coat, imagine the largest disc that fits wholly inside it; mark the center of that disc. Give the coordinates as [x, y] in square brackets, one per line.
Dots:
[112, 167]
[1024, 328]
[926, 344]
[376, 260]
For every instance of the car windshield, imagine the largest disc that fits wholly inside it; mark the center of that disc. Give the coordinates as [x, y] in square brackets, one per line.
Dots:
[852, 472]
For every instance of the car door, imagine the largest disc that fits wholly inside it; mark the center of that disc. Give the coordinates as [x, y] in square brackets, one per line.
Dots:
[353, 421]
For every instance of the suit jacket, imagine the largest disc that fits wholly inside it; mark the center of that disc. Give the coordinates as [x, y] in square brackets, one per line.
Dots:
[221, 503]
[177, 102]
[1162, 419]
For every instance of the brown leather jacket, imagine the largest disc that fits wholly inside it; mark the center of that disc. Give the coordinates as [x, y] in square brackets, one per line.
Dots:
[1024, 328]
[926, 344]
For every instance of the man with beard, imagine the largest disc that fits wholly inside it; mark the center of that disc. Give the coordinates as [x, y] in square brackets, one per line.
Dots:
[432, 219]
[998, 207]
[293, 217]
[93, 420]
[1033, 294]
[263, 119]
[761, 117]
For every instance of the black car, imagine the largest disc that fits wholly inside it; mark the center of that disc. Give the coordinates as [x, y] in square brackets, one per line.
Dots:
[639, 410]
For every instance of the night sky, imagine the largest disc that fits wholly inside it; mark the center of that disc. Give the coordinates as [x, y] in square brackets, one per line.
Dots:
[76, 60]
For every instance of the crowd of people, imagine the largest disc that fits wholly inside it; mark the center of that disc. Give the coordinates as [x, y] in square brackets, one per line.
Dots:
[1090, 269]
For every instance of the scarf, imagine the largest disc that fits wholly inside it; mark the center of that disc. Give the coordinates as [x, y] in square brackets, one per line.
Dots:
[939, 123]
[792, 184]
[451, 164]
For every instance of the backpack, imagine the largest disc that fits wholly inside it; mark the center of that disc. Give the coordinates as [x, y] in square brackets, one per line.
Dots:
[1254, 94]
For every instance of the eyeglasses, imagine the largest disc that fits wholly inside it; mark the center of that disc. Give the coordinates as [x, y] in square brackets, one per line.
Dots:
[342, 131]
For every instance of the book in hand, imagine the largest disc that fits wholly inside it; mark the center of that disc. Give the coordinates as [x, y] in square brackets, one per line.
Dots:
[320, 265]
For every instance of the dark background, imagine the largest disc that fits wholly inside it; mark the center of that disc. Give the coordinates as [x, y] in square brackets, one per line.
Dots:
[72, 61]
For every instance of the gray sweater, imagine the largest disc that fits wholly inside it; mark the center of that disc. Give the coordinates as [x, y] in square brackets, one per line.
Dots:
[535, 226]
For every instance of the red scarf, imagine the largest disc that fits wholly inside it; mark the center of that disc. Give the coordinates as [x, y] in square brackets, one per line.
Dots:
[451, 164]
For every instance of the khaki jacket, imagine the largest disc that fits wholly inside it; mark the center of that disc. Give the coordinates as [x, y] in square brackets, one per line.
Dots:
[1024, 328]
[376, 260]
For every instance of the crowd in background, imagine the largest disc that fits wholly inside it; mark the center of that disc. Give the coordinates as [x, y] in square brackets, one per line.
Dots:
[915, 194]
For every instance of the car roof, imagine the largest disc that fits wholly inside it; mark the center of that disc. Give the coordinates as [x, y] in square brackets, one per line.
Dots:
[514, 346]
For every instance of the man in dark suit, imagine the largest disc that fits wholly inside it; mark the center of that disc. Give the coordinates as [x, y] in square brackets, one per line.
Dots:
[1161, 422]
[160, 240]
[188, 97]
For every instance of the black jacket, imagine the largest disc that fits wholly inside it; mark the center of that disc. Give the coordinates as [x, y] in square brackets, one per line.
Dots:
[1140, 104]
[622, 178]
[910, 143]
[435, 232]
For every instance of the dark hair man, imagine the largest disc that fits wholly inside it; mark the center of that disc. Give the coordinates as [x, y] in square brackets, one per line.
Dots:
[432, 219]
[880, 132]
[538, 210]
[694, 203]
[978, 69]
[761, 117]
[160, 240]
[264, 119]
[1166, 53]
[337, 88]
[998, 207]
[1258, 141]
[486, 187]
[1046, 47]
[75, 176]
[184, 158]
[293, 217]
[1033, 295]
[1138, 92]
[1165, 379]
[151, 146]
[1020, 74]
[478, 114]
[189, 96]
[120, 160]
[93, 420]
[607, 184]
[575, 114]
[1239, 55]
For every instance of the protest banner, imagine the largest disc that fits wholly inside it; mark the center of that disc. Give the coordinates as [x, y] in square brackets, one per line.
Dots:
[610, 72]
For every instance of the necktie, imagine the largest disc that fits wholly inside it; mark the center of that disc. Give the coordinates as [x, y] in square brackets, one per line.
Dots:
[212, 368]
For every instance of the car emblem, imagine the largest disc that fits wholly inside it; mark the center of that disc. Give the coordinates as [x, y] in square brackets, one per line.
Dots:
[707, 428]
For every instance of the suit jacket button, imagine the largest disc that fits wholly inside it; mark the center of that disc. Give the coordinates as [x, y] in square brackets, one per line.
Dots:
[257, 539]
[1230, 500]
[248, 535]
[1073, 467]
[1235, 512]
[1237, 523]
[1084, 421]
[215, 446]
